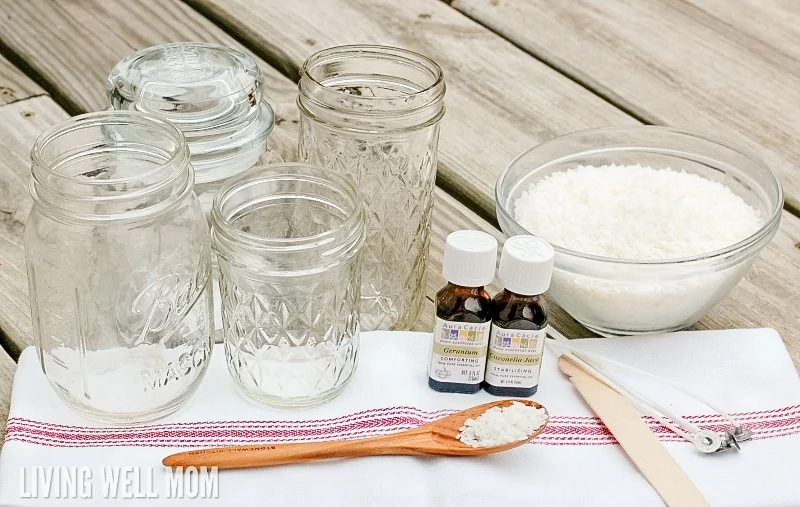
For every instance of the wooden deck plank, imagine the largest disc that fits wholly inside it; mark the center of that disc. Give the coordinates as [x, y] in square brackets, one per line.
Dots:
[499, 100]
[760, 300]
[670, 63]
[15, 88]
[20, 124]
[78, 26]
[7, 369]
[15, 85]
[775, 23]
[768, 295]
[74, 45]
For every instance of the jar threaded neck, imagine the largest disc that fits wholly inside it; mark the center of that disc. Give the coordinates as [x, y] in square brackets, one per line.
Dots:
[110, 165]
[372, 88]
[288, 220]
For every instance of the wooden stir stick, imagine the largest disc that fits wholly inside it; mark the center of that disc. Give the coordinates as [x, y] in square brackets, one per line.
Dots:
[437, 438]
[625, 423]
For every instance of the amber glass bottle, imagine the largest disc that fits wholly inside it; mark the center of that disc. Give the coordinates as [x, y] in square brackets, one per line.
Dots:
[457, 360]
[519, 324]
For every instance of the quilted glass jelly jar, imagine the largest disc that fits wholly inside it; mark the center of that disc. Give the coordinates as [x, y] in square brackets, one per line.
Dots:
[372, 113]
[288, 239]
[119, 259]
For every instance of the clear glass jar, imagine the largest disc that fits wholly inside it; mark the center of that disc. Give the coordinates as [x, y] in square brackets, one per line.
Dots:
[118, 256]
[372, 113]
[288, 239]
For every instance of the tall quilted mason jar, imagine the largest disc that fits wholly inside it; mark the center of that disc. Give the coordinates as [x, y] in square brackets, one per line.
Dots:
[118, 259]
[288, 239]
[372, 113]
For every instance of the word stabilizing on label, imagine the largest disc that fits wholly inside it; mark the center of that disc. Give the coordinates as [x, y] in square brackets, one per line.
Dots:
[515, 357]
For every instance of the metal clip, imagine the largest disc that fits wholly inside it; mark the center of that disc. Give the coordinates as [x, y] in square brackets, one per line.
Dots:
[739, 434]
[708, 442]
[705, 441]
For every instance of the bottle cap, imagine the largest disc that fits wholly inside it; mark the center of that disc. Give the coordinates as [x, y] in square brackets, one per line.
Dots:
[469, 258]
[526, 265]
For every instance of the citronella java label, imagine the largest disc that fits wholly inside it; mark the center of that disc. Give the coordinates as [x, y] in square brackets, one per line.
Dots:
[514, 357]
[459, 351]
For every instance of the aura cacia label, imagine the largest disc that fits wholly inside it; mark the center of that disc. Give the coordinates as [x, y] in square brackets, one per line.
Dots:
[459, 351]
[515, 357]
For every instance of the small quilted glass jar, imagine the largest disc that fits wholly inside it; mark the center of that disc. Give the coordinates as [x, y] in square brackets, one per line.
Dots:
[372, 113]
[288, 239]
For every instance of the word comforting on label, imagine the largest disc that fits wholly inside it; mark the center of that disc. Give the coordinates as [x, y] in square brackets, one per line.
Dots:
[459, 351]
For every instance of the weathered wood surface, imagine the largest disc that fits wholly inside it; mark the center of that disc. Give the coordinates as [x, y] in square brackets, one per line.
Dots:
[761, 300]
[7, 369]
[21, 120]
[768, 295]
[15, 89]
[774, 23]
[673, 63]
[20, 124]
[14, 85]
[500, 101]
[449, 215]
[284, 30]
[696, 64]
[74, 46]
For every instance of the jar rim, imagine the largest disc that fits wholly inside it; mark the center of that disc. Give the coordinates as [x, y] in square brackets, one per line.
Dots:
[399, 55]
[352, 225]
[74, 197]
[99, 118]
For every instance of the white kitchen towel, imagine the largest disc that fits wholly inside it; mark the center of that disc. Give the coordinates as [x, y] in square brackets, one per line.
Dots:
[574, 462]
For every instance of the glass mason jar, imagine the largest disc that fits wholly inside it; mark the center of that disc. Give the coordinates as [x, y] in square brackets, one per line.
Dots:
[288, 239]
[372, 113]
[118, 256]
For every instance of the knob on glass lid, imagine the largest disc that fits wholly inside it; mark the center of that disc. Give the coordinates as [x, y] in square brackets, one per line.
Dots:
[213, 93]
[188, 79]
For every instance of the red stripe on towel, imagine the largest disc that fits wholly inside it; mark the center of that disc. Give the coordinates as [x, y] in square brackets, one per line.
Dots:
[561, 430]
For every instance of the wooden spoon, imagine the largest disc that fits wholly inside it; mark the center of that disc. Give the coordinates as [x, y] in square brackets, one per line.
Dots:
[437, 438]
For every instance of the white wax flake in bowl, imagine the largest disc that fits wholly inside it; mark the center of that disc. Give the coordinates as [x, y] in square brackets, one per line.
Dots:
[635, 212]
[638, 213]
[500, 426]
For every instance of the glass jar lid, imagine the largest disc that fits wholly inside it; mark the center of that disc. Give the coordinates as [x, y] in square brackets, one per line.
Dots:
[187, 75]
[212, 93]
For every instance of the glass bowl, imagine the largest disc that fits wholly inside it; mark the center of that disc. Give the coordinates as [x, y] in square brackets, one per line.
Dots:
[612, 296]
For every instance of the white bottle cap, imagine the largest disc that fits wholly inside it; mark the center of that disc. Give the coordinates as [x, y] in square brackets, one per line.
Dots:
[526, 265]
[469, 258]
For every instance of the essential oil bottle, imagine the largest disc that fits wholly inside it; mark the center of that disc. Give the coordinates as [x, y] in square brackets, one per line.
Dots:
[519, 324]
[457, 361]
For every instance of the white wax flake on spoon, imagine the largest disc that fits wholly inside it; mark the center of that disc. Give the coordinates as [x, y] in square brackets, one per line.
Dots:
[500, 426]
